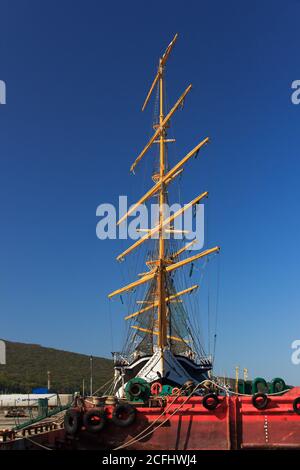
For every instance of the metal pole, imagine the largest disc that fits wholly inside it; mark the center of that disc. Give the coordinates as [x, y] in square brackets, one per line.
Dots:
[49, 380]
[237, 370]
[91, 375]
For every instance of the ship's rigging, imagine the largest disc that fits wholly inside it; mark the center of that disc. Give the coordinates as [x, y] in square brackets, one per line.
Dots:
[159, 320]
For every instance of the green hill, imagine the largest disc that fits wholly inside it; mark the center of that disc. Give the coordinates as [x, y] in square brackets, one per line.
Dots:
[27, 366]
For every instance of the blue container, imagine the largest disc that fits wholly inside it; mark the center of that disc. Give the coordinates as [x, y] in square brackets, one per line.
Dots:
[40, 390]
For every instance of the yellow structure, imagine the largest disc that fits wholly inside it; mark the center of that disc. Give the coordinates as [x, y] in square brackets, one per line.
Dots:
[162, 267]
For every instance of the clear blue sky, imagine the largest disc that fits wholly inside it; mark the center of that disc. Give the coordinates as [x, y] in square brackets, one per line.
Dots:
[76, 75]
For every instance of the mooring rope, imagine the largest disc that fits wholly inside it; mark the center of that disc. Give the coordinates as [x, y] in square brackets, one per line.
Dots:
[38, 444]
[142, 434]
[102, 386]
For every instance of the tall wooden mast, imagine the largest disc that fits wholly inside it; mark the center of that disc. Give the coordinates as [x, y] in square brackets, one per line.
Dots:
[161, 312]
[165, 263]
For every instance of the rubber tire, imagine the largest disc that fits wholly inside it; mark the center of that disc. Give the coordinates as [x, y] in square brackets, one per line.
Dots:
[278, 381]
[206, 401]
[123, 423]
[72, 421]
[296, 402]
[260, 405]
[138, 392]
[94, 428]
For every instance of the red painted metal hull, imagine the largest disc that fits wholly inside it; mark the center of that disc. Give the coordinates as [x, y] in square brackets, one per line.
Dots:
[234, 424]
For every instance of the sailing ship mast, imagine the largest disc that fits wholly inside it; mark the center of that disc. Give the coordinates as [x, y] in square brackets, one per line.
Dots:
[161, 295]
[164, 265]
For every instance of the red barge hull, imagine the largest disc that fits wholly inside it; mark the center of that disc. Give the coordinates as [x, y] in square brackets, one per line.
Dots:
[234, 424]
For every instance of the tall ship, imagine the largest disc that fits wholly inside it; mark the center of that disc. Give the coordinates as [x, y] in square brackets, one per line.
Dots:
[161, 344]
[163, 394]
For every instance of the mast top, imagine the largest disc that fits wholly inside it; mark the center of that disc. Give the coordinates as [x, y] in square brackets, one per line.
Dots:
[162, 62]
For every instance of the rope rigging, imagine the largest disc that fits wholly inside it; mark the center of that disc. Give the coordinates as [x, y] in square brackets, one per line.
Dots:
[182, 316]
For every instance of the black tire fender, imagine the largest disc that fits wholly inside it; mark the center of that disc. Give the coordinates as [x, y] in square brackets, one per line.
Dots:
[296, 405]
[260, 401]
[124, 415]
[210, 401]
[136, 389]
[94, 420]
[72, 421]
